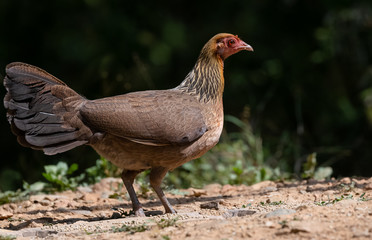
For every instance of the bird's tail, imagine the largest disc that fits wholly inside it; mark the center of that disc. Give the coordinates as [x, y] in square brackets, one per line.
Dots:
[42, 110]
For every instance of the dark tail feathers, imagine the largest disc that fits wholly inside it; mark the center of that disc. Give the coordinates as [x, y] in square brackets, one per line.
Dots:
[42, 110]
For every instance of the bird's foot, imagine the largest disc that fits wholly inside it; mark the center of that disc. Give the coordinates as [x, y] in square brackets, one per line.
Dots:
[139, 212]
[169, 209]
[171, 212]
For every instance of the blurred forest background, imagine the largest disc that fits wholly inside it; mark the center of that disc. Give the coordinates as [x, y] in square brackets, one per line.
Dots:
[306, 89]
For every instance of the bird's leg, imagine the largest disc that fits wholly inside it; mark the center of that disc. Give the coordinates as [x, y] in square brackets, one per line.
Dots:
[156, 176]
[128, 179]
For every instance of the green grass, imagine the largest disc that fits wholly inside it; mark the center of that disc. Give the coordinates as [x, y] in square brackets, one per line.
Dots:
[347, 187]
[333, 201]
[2, 237]
[269, 203]
[12, 196]
[164, 223]
[363, 198]
[132, 229]
[61, 177]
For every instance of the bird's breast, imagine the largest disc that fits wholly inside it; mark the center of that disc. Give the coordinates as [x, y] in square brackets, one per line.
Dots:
[213, 116]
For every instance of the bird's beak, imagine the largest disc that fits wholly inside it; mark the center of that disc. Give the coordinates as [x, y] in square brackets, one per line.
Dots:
[245, 46]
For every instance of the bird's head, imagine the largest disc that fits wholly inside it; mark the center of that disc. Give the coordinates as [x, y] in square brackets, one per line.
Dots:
[206, 78]
[225, 45]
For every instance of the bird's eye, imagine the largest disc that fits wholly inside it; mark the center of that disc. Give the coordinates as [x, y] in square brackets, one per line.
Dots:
[231, 42]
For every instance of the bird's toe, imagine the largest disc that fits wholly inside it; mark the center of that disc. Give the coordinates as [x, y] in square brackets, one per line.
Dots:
[140, 213]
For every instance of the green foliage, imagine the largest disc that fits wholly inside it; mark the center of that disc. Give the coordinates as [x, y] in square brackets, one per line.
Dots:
[269, 203]
[333, 201]
[9, 237]
[363, 198]
[322, 173]
[167, 222]
[347, 187]
[12, 196]
[59, 177]
[309, 166]
[144, 185]
[102, 169]
[132, 229]
[310, 169]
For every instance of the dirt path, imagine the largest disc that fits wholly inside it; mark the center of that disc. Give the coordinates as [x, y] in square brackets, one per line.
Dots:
[268, 210]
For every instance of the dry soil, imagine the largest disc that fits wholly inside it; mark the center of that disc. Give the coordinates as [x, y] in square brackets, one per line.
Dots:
[333, 209]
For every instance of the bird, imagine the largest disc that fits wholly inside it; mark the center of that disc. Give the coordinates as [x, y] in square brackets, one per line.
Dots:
[155, 129]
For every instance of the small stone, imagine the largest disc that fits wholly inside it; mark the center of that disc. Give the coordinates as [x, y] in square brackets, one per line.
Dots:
[270, 189]
[210, 205]
[82, 212]
[223, 202]
[103, 215]
[237, 213]
[45, 202]
[13, 206]
[306, 227]
[302, 191]
[302, 207]
[34, 224]
[269, 224]
[37, 232]
[5, 214]
[9, 234]
[27, 204]
[368, 187]
[84, 189]
[357, 232]
[30, 232]
[34, 207]
[39, 215]
[280, 212]
[63, 203]
[346, 180]
[44, 233]
[49, 214]
[53, 197]
[298, 230]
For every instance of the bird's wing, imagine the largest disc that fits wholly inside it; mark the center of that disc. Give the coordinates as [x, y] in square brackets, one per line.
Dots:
[149, 117]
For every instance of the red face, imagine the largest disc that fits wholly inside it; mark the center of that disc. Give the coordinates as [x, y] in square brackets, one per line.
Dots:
[230, 45]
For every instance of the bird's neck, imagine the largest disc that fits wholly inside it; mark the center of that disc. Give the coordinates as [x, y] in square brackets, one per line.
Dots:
[205, 80]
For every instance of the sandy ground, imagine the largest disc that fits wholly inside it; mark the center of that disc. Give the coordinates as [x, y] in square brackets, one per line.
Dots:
[335, 209]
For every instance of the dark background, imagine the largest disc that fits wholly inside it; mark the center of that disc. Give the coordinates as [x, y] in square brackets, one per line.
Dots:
[307, 86]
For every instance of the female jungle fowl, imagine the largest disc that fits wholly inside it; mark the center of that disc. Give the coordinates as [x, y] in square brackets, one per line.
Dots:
[158, 130]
